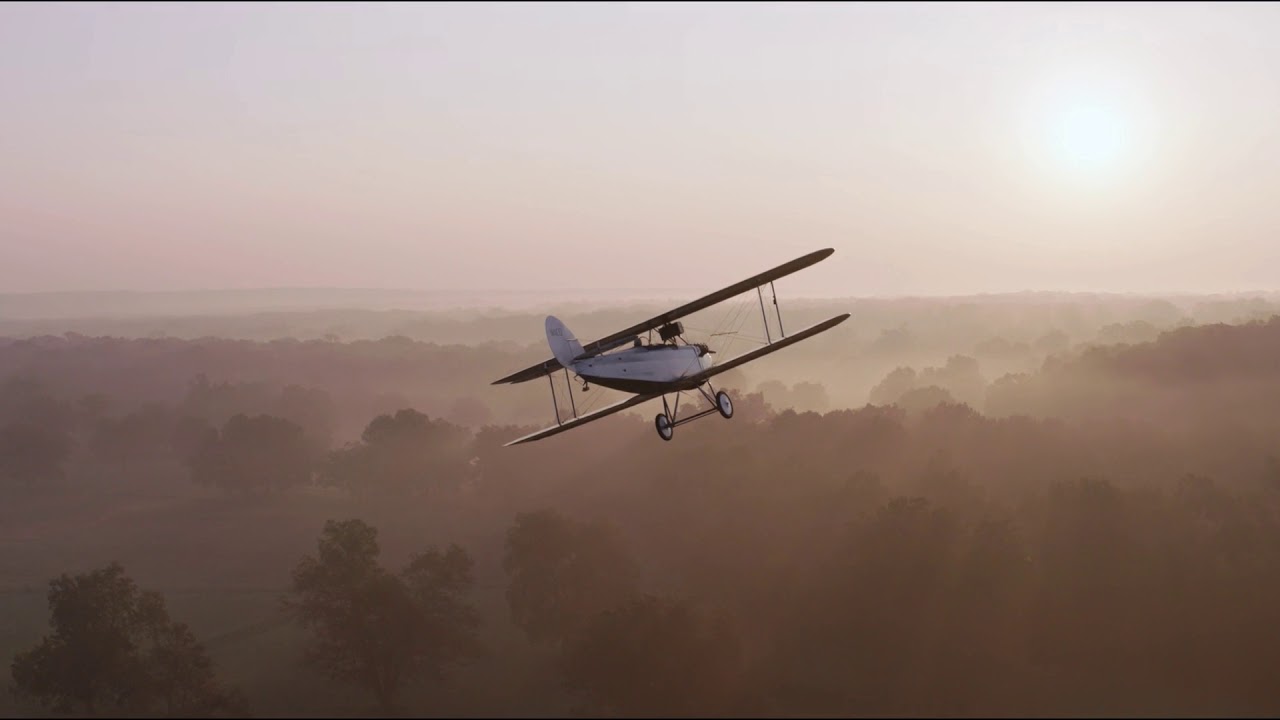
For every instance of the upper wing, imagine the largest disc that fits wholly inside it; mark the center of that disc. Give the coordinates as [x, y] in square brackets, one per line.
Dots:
[621, 337]
[773, 347]
[607, 410]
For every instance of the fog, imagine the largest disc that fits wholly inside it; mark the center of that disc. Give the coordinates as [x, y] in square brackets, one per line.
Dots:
[261, 264]
[1035, 504]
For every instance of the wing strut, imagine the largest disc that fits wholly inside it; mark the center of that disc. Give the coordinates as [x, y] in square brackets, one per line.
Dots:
[554, 404]
[569, 389]
[777, 309]
[765, 318]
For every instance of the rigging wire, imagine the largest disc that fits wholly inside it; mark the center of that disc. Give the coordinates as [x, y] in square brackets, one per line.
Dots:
[735, 321]
[733, 318]
[740, 319]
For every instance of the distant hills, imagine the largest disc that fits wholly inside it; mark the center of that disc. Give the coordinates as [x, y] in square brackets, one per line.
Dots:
[55, 305]
[223, 302]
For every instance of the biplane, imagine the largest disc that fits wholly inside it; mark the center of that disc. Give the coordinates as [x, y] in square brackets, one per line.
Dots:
[671, 366]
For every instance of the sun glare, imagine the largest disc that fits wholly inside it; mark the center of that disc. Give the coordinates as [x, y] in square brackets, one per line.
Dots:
[1092, 126]
[1089, 140]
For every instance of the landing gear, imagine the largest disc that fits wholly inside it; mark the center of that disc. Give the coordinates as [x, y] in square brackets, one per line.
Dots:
[666, 421]
[724, 404]
[665, 429]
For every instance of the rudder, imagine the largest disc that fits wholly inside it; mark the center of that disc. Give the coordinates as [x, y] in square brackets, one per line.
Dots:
[563, 344]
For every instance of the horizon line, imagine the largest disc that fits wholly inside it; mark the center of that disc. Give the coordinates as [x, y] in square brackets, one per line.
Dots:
[630, 290]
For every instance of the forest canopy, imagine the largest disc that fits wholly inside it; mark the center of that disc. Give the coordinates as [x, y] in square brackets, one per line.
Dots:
[1049, 524]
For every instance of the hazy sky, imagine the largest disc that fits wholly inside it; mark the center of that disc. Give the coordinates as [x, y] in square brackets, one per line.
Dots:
[939, 148]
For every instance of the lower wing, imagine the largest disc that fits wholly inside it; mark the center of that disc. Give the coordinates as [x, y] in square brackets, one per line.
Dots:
[607, 410]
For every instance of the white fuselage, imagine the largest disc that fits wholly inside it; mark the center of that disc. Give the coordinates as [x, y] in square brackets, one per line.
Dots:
[645, 369]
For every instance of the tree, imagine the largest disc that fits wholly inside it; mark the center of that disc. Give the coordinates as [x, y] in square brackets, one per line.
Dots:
[961, 377]
[810, 396]
[31, 454]
[1055, 341]
[470, 411]
[219, 402]
[777, 393]
[92, 407]
[562, 573]
[401, 454]
[312, 410]
[655, 657]
[1090, 577]
[114, 646]
[188, 438]
[27, 400]
[924, 398]
[751, 408]
[182, 675]
[894, 385]
[257, 454]
[438, 582]
[862, 633]
[133, 440]
[379, 630]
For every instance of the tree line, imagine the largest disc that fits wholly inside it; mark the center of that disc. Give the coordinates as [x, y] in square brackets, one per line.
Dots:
[884, 560]
[1093, 599]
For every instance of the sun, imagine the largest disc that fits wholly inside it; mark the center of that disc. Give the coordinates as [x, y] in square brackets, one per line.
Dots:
[1089, 140]
[1091, 131]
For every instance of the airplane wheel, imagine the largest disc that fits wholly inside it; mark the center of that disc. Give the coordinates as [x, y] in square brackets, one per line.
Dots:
[665, 431]
[724, 404]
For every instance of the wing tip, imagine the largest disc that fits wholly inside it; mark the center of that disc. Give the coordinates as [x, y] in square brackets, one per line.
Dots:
[530, 437]
[819, 255]
[831, 322]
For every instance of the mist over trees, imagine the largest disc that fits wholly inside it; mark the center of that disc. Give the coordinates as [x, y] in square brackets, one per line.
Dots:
[114, 649]
[257, 454]
[563, 572]
[402, 454]
[1024, 505]
[376, 629]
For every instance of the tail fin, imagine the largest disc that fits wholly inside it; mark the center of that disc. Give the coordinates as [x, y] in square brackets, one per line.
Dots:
[563, 344]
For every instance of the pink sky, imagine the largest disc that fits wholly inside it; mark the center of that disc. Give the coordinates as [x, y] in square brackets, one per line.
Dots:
[438, 146]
